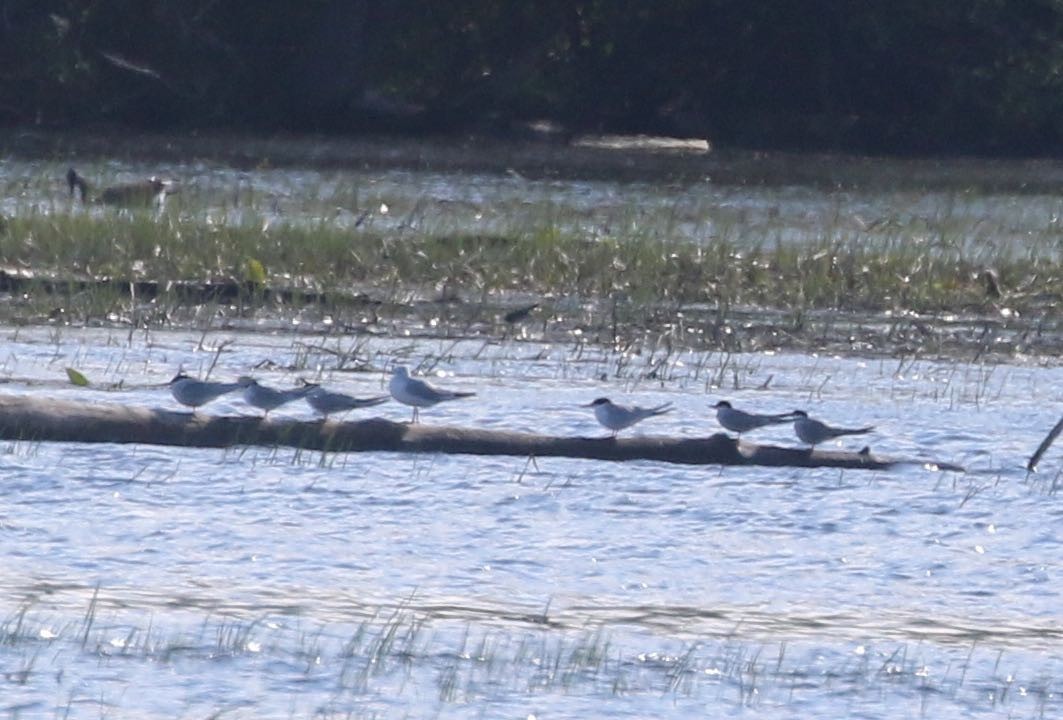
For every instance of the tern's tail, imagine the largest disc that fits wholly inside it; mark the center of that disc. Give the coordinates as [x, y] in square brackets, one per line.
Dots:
[854, 431]
[453, 395]
[661, 409]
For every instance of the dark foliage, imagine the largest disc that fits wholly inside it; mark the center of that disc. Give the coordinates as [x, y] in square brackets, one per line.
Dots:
[876, 76]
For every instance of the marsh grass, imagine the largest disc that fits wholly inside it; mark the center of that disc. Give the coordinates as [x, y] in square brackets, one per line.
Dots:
[401, 653]
[626, 274]
[626, 266]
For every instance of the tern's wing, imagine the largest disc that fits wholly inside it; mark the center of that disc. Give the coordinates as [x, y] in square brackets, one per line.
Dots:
[423, 391]
[636, 413]
[854, 431]
[341, 401]
[319, 398]
[775, 419]
[219, 389]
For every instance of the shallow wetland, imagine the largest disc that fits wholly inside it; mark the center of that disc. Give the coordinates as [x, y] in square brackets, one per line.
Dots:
[142, 581]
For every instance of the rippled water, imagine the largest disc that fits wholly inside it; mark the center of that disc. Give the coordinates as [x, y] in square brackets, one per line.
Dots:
[171, 582]
[147, 582]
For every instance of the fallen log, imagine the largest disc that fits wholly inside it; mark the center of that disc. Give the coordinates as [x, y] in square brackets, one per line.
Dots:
[37, 419]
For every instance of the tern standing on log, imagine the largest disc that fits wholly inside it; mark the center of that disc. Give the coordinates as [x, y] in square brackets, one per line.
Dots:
[192, 393]
[325, 402]
[814, 432]
[417, 393]
[617, 417]
[267, 398]
[740, 421]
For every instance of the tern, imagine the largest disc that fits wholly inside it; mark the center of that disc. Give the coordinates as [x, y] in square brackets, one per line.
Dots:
[617, 417]
[267, 398]
[814, 432]
[740, 421]
[192, 393]
[325, 402]
[146, 193]
[418, 393]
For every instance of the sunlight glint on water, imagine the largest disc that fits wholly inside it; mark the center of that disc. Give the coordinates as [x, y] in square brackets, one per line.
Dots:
[378, 584]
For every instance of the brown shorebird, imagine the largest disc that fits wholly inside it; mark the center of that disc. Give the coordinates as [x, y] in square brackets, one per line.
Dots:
[146, 193]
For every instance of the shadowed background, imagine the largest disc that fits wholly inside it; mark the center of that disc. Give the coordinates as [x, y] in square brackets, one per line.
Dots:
[897, 77]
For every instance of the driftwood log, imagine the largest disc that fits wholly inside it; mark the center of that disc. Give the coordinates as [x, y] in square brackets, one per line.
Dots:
[36, 419]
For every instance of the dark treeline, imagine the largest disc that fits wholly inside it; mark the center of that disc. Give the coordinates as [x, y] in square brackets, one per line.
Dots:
[903, 76]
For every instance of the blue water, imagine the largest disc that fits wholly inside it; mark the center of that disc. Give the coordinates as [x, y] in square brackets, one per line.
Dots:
[269, 583]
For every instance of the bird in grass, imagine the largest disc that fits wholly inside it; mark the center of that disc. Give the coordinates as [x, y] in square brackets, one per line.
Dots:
[616, 417]
[146, 193]
[326, 402]
[192, 393]
[266, 398]
[417, 393]
[521, 313]
[740, 421]
[814, 432]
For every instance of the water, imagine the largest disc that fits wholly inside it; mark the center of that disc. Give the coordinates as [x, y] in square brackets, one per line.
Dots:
[400, 201]
[142, 582]
[171, 582]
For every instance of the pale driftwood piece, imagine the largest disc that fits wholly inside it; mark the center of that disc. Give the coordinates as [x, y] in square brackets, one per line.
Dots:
[37, 419]
[1045, 444]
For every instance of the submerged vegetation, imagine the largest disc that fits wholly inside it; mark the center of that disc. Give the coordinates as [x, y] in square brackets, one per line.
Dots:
[405, 657]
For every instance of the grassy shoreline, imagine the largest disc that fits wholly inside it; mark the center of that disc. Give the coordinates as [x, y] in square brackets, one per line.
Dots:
[851, 276]
[709, 296]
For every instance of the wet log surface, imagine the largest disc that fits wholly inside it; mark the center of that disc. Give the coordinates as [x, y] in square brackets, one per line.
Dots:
[35, 419]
